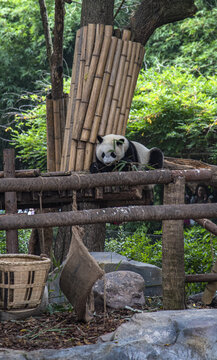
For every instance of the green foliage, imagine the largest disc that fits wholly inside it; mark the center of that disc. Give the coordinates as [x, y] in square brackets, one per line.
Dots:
[176, 111]
[22, 46]
[200, 254]
[191, 43]
[139, 246]
[23, 238]
[200, 250]
[29, 134]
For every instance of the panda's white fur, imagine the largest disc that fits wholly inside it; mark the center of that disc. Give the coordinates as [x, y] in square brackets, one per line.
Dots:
[110, 145]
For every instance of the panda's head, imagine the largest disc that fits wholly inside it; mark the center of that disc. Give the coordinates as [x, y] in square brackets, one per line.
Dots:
[111, 148]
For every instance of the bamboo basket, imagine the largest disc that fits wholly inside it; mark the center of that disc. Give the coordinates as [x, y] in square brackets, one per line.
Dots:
[22, 280]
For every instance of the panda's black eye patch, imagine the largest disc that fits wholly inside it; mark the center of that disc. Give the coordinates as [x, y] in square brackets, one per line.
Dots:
[103, 155]
[113, 154]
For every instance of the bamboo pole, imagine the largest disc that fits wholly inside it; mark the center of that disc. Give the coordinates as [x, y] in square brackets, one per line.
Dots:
[88, 158]
[137, 65]
[71, 107]
[73, 153]
[91, 30]
[111, 70]
[78, 124]
[114, 214]
[110, 90]
[50, 135]
[58, 105]
[128, 86]
[126, 35]
[125, 89]
[112, 120]
[97, 84]
[103, 91]
[80, 156]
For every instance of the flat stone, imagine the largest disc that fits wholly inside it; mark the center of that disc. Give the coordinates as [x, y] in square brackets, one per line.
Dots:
[151, 274]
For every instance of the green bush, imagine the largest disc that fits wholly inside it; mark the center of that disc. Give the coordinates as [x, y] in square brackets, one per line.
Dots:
[176, 111]
[23, 238]
[200, 250]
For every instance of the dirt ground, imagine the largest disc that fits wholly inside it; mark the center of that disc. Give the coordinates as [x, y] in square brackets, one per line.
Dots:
[62, 329]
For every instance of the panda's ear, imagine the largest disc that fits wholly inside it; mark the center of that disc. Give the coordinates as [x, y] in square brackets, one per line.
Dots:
[156, 158]
[120, 142]
[100, 139]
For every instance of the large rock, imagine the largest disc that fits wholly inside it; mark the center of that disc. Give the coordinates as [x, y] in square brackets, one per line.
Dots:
[151, 274]
[123, 288]
[163, 335]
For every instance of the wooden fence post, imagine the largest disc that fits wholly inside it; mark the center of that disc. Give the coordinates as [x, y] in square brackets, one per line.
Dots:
[10, 201]
[173, 272]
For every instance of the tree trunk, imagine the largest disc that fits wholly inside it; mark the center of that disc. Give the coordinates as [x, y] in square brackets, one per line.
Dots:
[97, 12]
[173, 272]
[57, 55]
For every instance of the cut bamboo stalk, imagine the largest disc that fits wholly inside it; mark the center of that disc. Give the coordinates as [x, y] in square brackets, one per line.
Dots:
[63, 108]
[80, 80]
[103, 91]
[88, 155]
[110, 90]
[80, 156]
[82, 65]
[117, 127]
[111, 126]
[123, 92]
[126, 36]
[71, 107]
[91, 31]
[50, 136]
[78, 124]
[73, 151]
[97, 84]
[136, 68]
[78, 94]
[57, 106]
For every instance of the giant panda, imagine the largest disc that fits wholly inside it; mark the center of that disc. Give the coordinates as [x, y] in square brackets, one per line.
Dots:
[117, 153]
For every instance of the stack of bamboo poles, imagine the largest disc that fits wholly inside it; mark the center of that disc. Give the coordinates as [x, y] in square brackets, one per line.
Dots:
[56, 119]
[104, 74]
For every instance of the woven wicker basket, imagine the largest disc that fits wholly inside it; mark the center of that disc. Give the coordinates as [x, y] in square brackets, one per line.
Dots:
[22, 280]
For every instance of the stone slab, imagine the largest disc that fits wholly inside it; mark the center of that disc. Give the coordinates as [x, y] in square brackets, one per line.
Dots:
[162, 335]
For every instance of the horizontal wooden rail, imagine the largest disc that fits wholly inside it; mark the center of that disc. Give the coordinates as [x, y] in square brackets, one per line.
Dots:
[87, 181]
[116, 214]
[201, 278]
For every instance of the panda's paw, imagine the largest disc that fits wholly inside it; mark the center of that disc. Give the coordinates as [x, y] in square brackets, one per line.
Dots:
[94, 168]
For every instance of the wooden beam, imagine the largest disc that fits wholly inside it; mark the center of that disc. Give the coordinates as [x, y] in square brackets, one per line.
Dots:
[201, 278]
[87, 181]
[116, 214]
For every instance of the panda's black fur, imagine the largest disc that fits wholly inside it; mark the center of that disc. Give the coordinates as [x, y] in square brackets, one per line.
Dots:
[128, 158]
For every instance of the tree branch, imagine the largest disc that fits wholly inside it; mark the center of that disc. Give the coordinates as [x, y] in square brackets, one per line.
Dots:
[44, 17]
[152, 14]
